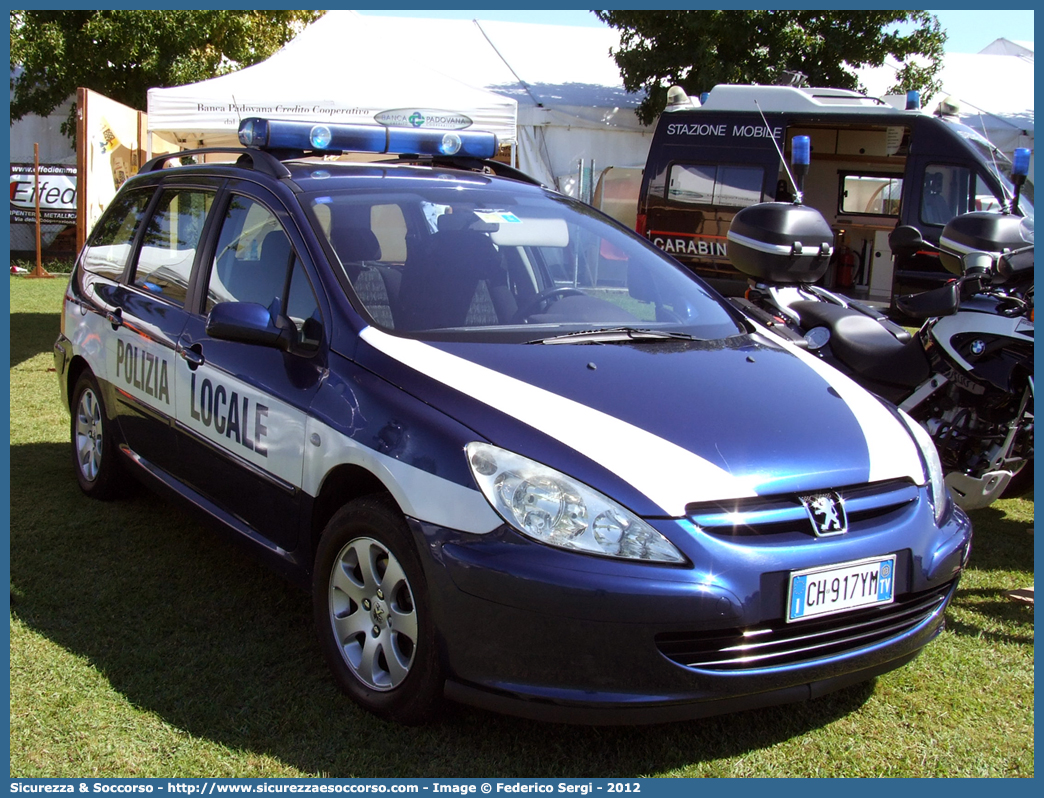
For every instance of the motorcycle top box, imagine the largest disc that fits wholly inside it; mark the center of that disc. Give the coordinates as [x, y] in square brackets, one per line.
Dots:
[781, 242]
[982, 231]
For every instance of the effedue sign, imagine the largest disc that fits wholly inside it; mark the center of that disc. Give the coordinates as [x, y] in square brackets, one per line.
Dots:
[430, 118]
[57, 193]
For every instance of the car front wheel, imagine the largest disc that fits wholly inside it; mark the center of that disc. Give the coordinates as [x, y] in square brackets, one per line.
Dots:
[372, 613]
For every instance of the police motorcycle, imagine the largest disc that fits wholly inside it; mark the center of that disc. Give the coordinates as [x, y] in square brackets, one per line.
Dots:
[966, 375]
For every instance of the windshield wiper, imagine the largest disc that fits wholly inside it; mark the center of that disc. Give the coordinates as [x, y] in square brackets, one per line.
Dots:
[614, 335]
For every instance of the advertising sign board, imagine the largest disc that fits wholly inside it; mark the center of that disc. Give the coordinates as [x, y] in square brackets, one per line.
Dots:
[57, 187]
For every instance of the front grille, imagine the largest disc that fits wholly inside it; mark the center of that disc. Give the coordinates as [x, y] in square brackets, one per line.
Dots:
[781, 643]
[785, 514]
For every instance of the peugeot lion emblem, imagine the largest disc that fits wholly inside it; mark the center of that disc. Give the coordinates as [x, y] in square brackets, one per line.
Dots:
[826, 511]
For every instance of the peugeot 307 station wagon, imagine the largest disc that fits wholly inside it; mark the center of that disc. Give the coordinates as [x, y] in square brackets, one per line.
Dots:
[521, 458]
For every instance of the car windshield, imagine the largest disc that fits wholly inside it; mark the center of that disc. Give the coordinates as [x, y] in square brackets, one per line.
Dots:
[466, 258]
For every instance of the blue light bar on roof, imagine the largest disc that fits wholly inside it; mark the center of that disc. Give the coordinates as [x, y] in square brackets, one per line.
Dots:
[278, 134]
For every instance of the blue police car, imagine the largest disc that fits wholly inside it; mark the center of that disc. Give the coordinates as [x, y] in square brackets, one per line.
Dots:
[521, 459]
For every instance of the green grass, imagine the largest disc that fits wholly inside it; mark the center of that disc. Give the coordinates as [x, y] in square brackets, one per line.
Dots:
[145, 645]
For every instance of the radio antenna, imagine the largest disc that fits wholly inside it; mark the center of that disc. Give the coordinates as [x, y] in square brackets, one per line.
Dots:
[798, 193]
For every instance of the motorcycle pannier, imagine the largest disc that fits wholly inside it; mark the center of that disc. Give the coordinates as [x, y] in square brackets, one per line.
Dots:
[779, 242]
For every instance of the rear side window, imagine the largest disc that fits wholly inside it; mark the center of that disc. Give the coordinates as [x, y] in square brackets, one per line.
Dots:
[169, 246]
[715, 184]
[110, 244]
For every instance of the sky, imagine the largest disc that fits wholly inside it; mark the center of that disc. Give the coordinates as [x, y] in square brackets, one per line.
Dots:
[967, 31]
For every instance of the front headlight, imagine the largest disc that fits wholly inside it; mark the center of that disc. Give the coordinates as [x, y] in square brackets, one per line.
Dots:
[940, 494]
[550, 507]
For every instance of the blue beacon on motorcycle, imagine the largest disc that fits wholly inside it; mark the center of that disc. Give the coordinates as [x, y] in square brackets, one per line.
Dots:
[1019, 170]
[800, 158]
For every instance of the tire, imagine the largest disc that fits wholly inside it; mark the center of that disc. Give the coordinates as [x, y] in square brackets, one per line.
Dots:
[373, 615]
[93, 446]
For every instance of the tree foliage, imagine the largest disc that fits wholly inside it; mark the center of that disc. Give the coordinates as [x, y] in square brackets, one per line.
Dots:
[700, 49]
[123, 54]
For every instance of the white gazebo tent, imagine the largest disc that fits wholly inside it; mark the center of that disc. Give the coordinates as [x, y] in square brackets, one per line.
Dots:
[316, 77]
[572, 108]
[572, 105]
[993, 90]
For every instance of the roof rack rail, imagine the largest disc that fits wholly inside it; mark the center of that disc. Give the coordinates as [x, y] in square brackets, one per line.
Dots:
[258, 160]
[497, 168]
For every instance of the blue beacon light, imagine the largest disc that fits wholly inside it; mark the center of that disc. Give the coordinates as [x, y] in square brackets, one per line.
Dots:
[450, 144]
[1020, 166]
[800, 158]
[801, 152]
[1019, 171]
[320, 137]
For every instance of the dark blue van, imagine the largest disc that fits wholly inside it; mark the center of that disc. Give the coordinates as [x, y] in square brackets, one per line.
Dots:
[873, 167]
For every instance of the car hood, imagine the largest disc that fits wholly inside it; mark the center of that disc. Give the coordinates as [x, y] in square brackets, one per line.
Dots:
[679, 421]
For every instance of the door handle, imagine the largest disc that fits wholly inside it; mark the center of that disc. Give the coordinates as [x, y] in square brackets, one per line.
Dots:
[115, 318]
[193, 356]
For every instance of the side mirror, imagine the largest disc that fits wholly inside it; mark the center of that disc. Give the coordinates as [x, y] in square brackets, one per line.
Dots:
[248, 323]
[907, 239]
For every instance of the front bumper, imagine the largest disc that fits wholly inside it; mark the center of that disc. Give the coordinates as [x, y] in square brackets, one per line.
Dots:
[62, 356]
[540, 633]
[627, 709]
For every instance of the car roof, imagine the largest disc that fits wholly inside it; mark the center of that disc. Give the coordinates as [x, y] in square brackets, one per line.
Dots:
[308, 173]
[323, 175]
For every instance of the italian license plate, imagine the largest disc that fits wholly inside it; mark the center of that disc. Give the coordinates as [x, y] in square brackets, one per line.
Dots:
[829, 589]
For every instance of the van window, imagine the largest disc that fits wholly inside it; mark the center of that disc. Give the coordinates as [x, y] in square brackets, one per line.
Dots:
[945, 193]
[715, 184]
[986, 201]
[876, 195]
